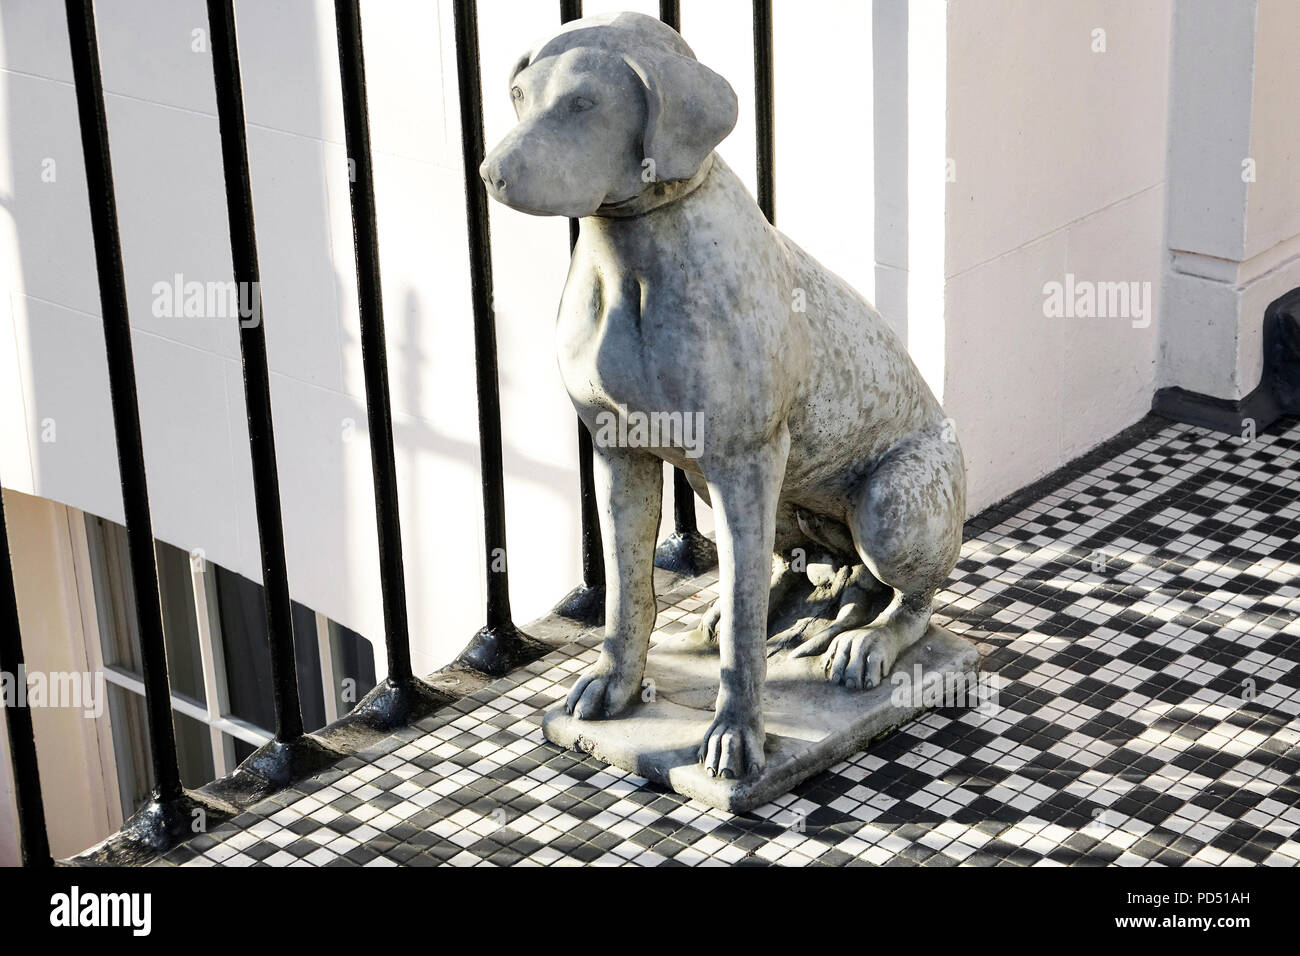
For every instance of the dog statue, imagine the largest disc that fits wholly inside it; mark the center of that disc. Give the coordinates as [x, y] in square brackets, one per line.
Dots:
[820, 443]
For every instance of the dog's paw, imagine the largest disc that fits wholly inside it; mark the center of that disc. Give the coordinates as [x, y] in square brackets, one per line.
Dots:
[603, 691]
[733, 744]
[860, 659]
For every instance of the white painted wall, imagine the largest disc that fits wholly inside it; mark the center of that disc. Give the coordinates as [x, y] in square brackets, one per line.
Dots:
[1059, 156]
[1234, 200]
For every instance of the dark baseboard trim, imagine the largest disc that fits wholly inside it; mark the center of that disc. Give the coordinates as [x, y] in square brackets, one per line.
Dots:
[1217, 414]
[1278, 391]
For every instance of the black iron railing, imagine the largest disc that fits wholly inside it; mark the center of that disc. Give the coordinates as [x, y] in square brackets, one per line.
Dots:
[499, 645]
[122, 391]
[403, 696]
[291, 744]
[586, 602]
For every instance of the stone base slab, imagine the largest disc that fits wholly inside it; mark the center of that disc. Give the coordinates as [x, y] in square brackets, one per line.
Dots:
[811, 724]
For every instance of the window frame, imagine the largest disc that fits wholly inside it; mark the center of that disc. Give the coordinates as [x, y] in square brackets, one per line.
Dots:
[223, 728]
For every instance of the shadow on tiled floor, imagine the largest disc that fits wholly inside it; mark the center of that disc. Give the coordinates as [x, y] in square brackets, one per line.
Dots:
[1140, 623]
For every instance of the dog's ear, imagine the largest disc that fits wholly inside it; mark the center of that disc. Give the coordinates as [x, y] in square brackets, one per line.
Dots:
[520, 65]
[689, 110]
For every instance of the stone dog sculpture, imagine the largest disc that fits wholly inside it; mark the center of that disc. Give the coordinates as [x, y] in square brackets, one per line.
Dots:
[821, 442]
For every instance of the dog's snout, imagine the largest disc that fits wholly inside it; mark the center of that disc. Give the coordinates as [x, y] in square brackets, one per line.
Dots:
[491, 174]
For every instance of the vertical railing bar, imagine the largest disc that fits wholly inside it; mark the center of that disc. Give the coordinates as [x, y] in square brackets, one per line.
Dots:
[764, 110]
[122, 390]
[593, 559]
[670, 12]
[257, 385]
[687, 551]
[684, 522]
[33, 839]
[683, 504]
[500, 645]
[352, 69]
[485, 341]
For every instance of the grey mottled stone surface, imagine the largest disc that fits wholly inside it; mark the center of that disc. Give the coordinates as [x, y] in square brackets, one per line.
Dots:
[811, 723]
[836, 482]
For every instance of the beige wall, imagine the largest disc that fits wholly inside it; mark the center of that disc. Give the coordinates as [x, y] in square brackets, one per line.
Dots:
[1059, 153]
[73, 783]
[10, 854]
[1273, 199]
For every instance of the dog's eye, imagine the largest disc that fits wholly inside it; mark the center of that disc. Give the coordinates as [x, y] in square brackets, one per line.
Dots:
[580, 103]
[516, 93]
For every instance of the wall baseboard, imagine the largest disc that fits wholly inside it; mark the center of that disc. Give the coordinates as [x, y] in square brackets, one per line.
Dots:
[1278, 391]
[1217, 414]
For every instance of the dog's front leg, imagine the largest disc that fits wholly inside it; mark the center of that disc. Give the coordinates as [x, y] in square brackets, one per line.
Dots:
[744, 489]
[629, 489]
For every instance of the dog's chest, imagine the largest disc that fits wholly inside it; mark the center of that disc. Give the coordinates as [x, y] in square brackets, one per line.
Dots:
[613, 342]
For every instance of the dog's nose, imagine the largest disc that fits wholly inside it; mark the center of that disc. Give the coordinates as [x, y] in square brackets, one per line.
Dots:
[490, 173]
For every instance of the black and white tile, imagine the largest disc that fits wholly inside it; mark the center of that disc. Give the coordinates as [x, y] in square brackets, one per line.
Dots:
[1141, 621]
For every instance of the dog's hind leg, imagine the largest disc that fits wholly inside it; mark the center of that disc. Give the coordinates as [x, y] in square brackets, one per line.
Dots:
[629, 486]
[907, 526]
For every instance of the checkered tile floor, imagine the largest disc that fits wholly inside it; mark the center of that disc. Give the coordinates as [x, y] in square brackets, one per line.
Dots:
[1141, 620]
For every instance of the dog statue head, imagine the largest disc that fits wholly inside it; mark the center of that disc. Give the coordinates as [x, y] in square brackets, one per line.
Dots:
[609, 108]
